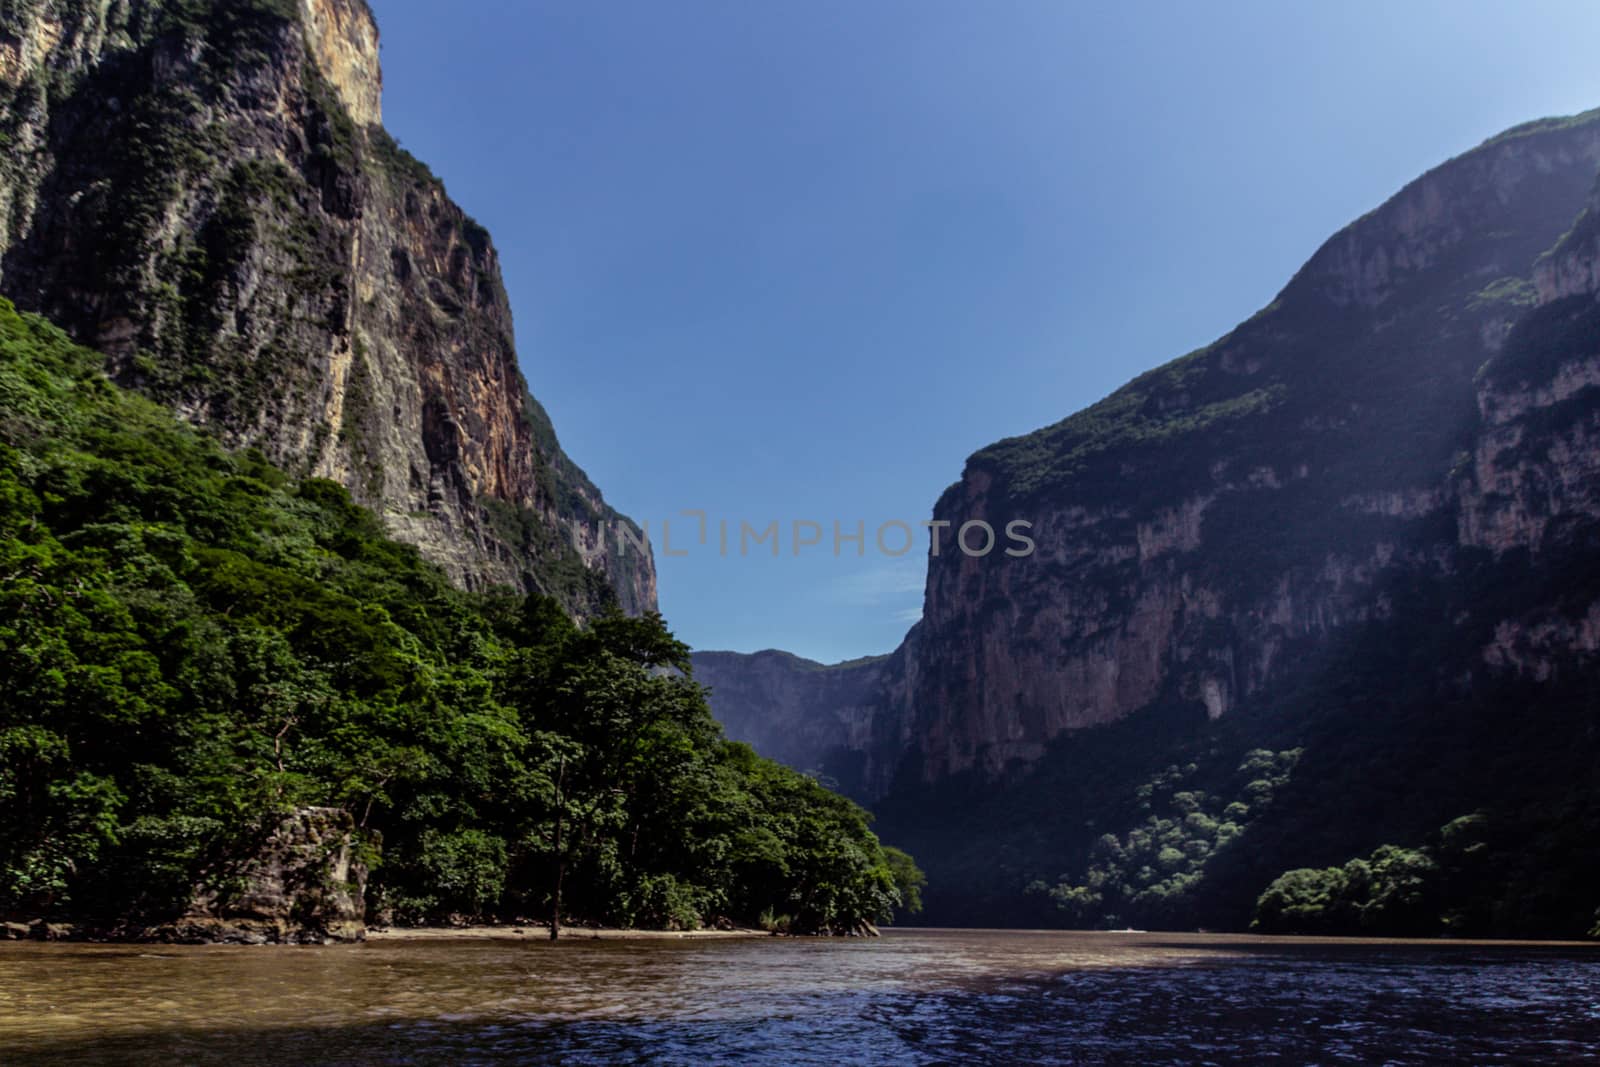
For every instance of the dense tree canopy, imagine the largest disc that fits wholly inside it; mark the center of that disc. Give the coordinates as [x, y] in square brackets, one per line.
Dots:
[1393, 892]
[193, 640]
[1151, 874]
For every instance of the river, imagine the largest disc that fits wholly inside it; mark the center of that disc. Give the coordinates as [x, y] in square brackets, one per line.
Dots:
[916, 996]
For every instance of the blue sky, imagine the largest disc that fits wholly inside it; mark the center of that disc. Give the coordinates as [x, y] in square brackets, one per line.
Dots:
[796, 261]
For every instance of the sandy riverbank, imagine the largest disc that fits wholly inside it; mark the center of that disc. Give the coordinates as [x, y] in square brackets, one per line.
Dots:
[542, 933]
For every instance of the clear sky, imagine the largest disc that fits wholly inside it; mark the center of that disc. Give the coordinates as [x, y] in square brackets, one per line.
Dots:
[796, 261]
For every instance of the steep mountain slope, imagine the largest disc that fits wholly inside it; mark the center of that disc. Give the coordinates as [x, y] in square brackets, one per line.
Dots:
[204, 191]
[1323, 585]
[1200, 524]
[815, 718]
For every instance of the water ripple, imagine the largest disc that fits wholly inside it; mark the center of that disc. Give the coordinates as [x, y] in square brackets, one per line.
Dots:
[923, 997]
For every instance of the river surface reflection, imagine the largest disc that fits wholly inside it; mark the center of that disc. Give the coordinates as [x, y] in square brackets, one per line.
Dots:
[911, 997]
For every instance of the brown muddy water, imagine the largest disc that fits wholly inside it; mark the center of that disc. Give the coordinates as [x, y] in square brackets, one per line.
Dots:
[916, 997]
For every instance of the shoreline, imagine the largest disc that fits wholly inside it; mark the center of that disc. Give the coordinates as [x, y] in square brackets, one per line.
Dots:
[64, 933]
[40, 931]
[541, 932]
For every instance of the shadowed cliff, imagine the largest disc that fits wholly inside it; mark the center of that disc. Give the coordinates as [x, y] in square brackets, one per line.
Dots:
[1354, 535]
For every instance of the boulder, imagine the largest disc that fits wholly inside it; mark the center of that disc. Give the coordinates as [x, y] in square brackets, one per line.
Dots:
[301, 883]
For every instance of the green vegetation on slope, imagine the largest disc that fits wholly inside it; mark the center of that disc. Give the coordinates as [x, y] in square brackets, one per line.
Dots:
[1154, 869]
[1159, 407]
[193, 641]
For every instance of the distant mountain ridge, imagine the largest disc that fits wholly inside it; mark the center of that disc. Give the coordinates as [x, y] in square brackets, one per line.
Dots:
[205, 192]
[817, 718]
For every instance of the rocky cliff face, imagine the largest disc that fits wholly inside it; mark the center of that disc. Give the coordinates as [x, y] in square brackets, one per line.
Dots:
[1533, 481]
[1200, 525]
[1423, 391]
[819, 719]
[204, 191]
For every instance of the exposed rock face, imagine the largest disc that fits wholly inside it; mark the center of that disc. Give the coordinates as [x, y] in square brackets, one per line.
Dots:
[1199, 525]
[1534, 480]
[204, 193]
[813, 717]
[343, 38]
[301, 885]
[845, 721]
[1205, 528]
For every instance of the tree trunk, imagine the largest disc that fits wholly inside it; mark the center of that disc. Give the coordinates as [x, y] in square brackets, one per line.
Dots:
[561, 867]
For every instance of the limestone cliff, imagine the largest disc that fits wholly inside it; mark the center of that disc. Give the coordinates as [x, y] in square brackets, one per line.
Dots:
[816, 718]
[1200, 525]
[1532, 482]
[204, 191]
[1423, 389]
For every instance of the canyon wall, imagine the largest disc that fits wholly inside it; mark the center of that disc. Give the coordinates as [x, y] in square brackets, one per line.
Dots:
[1422, 392]
[205, 192]
[817, 718]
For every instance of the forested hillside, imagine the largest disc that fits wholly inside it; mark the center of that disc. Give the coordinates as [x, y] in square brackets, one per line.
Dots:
[195, 644]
